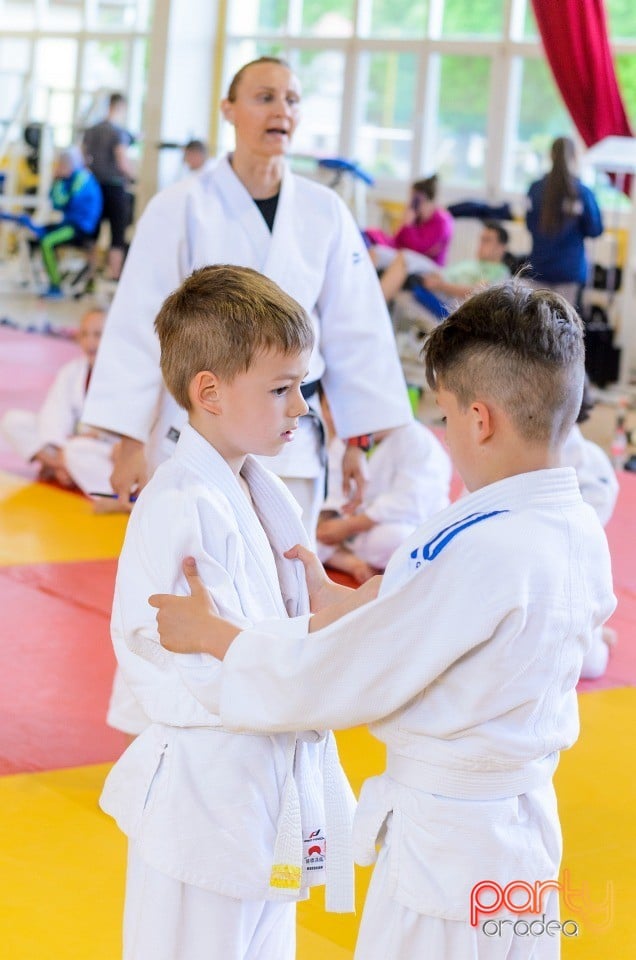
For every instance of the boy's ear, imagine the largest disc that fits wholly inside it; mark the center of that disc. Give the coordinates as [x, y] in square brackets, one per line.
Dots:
[483, 421]
[204, 392]
[227, 110]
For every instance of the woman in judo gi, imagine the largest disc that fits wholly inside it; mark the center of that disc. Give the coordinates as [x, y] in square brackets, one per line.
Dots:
[250, 210]
[466, 664]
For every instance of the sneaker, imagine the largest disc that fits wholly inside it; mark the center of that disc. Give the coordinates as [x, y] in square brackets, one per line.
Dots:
[53, 293]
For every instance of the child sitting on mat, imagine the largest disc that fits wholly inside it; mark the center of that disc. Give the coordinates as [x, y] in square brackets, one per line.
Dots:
[67, 453]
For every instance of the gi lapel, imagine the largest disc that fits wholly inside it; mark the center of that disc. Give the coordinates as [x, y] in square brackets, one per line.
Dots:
[242, 213]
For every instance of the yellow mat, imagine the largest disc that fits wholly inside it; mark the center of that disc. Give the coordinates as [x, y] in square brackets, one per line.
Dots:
[42, 524]
[62, 860]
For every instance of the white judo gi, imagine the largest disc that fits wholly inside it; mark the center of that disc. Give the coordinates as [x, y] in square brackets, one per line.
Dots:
[465, 666]
[88, 458]
[599, 487]
[207, 811]
[315, 253]
[409, 481]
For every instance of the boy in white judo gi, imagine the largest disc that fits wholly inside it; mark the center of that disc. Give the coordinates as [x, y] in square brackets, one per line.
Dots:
[225, 831]
[409, 475]
[599, 487]
[67, 452]
[466, 663]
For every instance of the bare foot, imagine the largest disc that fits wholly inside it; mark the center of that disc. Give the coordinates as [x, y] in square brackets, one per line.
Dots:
[347, 562]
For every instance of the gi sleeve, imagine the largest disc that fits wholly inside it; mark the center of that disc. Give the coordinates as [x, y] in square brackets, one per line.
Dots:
[363, 378]
[126, 382]
[58, 415]
[179, 689]
[366, 665]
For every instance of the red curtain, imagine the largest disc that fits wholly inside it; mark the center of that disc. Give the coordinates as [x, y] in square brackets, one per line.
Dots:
[575, 39]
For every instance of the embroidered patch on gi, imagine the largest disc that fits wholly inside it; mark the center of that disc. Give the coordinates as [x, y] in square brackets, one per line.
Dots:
[314, 851]
[173, 434]
[437, 543]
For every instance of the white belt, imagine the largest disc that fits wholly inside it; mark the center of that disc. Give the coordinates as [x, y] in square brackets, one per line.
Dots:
[470, 784]
[286, 874]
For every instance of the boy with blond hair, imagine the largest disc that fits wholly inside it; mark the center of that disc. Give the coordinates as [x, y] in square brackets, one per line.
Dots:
[225, 831]
[466, 663]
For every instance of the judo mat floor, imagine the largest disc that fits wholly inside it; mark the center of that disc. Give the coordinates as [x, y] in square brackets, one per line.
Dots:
[62, 860]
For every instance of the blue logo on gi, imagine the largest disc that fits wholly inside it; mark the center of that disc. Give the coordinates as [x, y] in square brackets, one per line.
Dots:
[437, 543]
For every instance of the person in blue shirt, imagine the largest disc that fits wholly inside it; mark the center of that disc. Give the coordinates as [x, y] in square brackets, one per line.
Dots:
[562, 212]
[76, 194]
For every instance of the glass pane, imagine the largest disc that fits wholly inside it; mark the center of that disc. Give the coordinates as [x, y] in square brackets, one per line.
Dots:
[621, 15]
[542, 117]
[398, 18]
[105, 65]
[385, 133]
[238, 53]
[530, 29]
[11, 96]
[60, 117]
[328, 18]
[55, 63]
[460, 148]
[626, 73]
[254, 16]
[322, 79]
[473, 18]
[14, 55]
[18, 15]
[63, 15]
[117, 14]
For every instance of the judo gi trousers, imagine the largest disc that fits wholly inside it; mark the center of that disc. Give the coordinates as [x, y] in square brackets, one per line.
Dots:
[391, 931]
[165, 919]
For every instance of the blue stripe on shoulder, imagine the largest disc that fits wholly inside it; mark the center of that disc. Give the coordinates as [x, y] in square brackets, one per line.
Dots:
[437, 543]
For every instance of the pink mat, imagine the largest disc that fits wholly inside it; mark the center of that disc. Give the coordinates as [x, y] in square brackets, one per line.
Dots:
[28, 365]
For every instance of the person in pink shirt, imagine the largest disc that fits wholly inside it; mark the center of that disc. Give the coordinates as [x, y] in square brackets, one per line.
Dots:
[427, 229]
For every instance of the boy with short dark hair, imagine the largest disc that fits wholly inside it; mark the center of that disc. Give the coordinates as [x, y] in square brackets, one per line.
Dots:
[225, 832]
[466, 664]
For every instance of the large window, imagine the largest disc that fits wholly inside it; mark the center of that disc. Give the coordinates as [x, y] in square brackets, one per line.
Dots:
[59, 60]
[406, 87]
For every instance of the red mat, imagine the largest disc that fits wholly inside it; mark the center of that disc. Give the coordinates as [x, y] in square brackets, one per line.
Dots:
[58, 667]
[28, 365]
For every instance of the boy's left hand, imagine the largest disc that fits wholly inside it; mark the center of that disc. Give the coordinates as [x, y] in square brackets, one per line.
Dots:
[322, 591]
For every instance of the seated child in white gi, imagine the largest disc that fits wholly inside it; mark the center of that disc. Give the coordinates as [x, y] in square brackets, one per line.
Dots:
[225, 831]
[466, 663]
[67, 452]
[599, 487]
[409, 476]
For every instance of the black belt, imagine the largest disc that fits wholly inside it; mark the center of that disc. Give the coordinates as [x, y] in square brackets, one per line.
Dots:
[309, 389]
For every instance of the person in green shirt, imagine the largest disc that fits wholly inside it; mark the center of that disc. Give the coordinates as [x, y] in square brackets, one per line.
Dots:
[435, 290]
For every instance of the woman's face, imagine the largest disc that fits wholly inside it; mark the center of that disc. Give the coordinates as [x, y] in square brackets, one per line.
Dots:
[422, 206]
[266, 109]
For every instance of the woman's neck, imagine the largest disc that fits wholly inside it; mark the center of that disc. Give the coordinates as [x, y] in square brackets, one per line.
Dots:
[260, 176]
